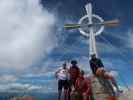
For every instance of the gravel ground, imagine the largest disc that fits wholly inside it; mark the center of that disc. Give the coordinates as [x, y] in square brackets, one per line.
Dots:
[127, 95]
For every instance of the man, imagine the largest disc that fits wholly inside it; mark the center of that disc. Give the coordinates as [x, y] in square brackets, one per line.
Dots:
[73, 73]
[62, 75]
[82, 88]
[97, 68]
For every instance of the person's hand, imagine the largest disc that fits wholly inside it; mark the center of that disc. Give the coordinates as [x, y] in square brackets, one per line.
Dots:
[74, 92]
[56, 76]
[73, 88]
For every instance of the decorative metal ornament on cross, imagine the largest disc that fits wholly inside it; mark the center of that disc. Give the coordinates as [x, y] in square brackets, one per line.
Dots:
[90, 26]
[90, 16]
[98, 32]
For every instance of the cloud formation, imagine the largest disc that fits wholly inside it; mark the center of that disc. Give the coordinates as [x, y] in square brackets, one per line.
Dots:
[7, 79]
[19, 87]
[25, 33]
[130, 38]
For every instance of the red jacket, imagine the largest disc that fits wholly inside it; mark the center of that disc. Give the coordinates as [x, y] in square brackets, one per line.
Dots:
[83, 85]
[74, 72]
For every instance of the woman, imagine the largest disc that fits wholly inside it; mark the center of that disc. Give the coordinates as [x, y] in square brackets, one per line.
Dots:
[82, 89]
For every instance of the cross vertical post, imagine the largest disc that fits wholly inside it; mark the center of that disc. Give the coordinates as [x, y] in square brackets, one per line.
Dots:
[92, 40]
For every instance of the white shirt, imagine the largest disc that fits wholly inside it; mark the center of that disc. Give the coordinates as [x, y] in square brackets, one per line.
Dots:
[62, 74]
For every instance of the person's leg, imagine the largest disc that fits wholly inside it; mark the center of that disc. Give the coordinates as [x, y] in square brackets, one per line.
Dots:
[59, 89]
[110, 77]
[66, 85]
[85, 97]
[59, 95]
[79, 97]
[69, 89]
[65, 94]
[89, 98]
[102, 73]
[73, 96]
[114, 83]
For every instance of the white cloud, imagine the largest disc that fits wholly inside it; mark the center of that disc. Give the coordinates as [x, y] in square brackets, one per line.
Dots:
[130, 39]
[126, 38]
[84, 64]
[25, 33]
[27, 87]
[19, 87]
[7, 78]
[24, 87]
[41, 74]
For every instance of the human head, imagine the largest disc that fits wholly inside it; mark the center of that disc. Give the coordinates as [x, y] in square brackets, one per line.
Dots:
[74, 62]
[82, 73]
[93, 56]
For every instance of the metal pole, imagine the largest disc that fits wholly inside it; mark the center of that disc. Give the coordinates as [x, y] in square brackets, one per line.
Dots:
[92, 40]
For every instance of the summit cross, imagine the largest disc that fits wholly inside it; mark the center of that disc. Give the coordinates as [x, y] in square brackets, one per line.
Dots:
[90, 25]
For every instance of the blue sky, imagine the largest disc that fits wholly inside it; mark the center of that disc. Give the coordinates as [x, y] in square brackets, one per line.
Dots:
[34, 43]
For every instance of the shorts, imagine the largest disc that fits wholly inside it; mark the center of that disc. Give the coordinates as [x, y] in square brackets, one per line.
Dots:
[102, 73]
[62, 84]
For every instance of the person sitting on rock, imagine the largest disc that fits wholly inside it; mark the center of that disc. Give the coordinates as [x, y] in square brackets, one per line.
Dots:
[98, 70]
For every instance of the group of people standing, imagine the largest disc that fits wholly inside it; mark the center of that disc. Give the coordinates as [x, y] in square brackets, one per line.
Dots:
[73, 81]
[76, 86]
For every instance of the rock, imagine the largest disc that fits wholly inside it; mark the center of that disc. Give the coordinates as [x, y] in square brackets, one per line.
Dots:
[101, 89]
[127, 95]
[23, 98]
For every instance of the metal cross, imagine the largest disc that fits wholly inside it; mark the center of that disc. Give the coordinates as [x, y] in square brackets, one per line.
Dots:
[90, 25]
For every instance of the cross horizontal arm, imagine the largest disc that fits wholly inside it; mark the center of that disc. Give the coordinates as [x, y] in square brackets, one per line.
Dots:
[111, 23]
